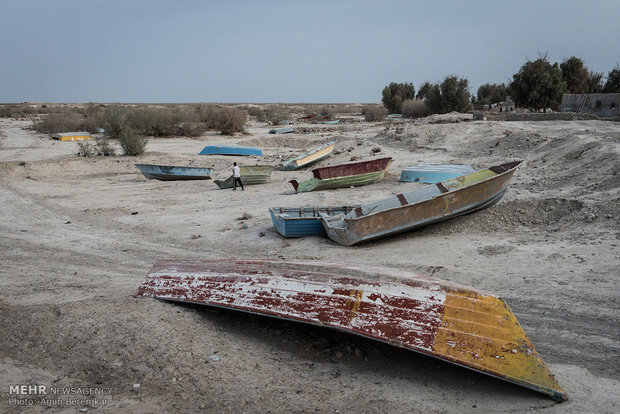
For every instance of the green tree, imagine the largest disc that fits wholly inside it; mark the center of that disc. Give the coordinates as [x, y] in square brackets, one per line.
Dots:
[491, 93]
[424, 89]
[538, 85]
[433, 99]
[595, 82]
[395, 93]
[612, 85]
[455, 94]
[575, 74]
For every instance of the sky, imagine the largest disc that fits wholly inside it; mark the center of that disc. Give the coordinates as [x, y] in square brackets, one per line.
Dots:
[285, 50]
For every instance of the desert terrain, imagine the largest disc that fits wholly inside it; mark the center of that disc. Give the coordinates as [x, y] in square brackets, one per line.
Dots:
[78, 235]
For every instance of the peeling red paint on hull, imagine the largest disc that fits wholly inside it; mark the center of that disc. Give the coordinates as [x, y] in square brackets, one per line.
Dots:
[451, 322]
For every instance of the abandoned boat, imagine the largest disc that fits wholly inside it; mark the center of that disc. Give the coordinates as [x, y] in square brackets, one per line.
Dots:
[345, 175]
[250, 175]
[230, 150]
[303, 221]
[421, 207]
[173, 172]
[451, 322]
[433, 173]
[310, 157]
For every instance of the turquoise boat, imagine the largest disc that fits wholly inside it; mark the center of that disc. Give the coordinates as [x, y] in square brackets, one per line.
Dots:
[230, 150]
[434, 173]
[303, 221]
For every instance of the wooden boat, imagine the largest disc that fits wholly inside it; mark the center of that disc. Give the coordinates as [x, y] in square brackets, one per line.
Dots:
[250, 175]
[173, 172]
[303, 221]
[418, 208]
[285, 130]
[345, 175]
[451, 322]
[230, 150]
[72, 136]
[310, 157]
[434, 173]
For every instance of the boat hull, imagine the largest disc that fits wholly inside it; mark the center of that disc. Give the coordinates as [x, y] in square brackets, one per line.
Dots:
[230, 150]
[419, 208]
[356, 180]
[250, 175]
[310, 157]
[431, 174]
[286, 130]
[454, 323]
[303, 221]
[173, 173]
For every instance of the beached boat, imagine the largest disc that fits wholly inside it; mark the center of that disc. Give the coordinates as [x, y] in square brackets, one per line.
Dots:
[329, 122]
[434, 173]
[345, 175]
[451, 322]
[72, 136]
[303, 221]
[310, 157]
[230, 150]
[285, 130]
[250, 175]
[173, 172]
[421, 207]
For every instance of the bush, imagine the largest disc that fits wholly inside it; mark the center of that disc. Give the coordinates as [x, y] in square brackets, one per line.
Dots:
[131, 142]
[228, 121]
[85, 149]
[55, 123]
[257, 113]
[116, 119]
[415, 108]
[395, 94]
[374, 112]
[104, 147]
[275, 116]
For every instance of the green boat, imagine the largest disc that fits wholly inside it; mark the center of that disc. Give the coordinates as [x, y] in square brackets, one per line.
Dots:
[250, 175]
[345, 175]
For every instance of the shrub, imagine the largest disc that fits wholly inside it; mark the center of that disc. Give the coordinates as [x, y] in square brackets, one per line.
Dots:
[415, 108]
[55, 123]
[275, 116]
[395, 93]
[131, 142]
[85, 149]
[257, 113]
[228, 121]
[116, 118]
[104, 147]
[374, 112]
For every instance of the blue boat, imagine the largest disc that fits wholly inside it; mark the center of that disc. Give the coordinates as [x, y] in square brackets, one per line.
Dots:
[285, 130]
[434, 173]
[173, 172]
[303, 221]
[230, 150]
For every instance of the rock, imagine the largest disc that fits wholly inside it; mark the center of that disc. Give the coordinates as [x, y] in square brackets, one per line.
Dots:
[261, 234]
[376, 150]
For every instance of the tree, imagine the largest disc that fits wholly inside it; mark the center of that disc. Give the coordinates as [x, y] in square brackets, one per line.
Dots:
[491, 93]
[424, 89]
[612, 85]
[395, 93]
[595, 82]
[538, 85]
[451, 95]
[575, 74]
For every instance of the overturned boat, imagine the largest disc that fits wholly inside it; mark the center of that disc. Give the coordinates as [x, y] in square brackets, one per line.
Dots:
[421, 207]
[345, 175]
[303, 221]
[250, 175]
[174, 172]
[451, 322]
[310, 157]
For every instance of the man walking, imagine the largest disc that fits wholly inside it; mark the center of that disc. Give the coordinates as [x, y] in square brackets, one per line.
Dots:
[237, 177]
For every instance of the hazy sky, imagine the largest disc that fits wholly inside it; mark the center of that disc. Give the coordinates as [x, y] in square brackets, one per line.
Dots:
[284, 51]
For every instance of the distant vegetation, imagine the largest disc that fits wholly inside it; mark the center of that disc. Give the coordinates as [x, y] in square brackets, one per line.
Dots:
[395, 94]
[374, 112]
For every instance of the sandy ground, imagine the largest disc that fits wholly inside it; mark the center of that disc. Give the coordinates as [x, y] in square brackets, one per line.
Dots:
[78, 236]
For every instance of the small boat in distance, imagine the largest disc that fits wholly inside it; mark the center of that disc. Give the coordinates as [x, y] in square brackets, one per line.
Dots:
[329, 122]
[433, 173]
[421, 207]
[72, 136]
[310, 157]
[285, 130]
[434, 317]
[173, 172]
[303, 221]
[345, 175]
[230, 150]
[250, 175]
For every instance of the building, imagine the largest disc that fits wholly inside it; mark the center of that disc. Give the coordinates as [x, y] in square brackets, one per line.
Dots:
[604, 105]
